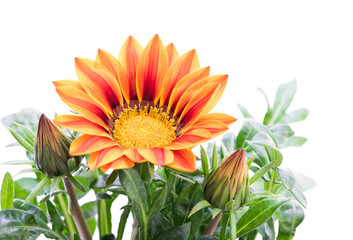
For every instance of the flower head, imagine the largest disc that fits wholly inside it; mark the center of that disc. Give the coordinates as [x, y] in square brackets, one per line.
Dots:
[229, 181]
[150, 104]
[52, 150]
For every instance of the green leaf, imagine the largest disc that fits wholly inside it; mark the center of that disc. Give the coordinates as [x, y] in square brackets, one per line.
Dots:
[200, 205]
[261, 172]
[29, 170]
[228, 140]
[18, 162]
[111, 179]
[24, 186]
[267, 230]
[295, 116]
[244, 111]
[26, 144]
[233, 227]
[20, 224]
[108, 236]
[291, 216]
[54, 217]
[204, 161]
[136, 191]
[293, 141]
[284, 96]
[27, 133]
[76, 183]
[258, 215]
[249, 236]
[176, 233]
[259, 196]
[7, 192]
[89, 210]
[206, 237]
[287, 178]
[122, 223]
[214, 156]
[282, 132]
[27, 117]
[158, 202]
[159, 224]
[103, 196]
[215, 212]
[31, 208]
[37, 189]
[298, 194]
[303, 182]
[247, 132]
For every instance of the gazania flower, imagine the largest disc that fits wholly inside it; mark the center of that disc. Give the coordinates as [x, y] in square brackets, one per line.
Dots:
[150, 104]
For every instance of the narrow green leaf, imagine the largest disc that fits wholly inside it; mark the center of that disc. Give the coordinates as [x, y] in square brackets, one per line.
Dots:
[258, 215]
[7, 192]
[37, 189]
[244, 111]
[23, 142]
[29, 134]
[204, 161]
[18, 162]
[267, 230]
[111, 179]
[54, 185]
[295, 116]
[159, 224]
[282, 132]
[215, 212]
[158, 202]
[122, 223]
[247, 132]
[233, 226]
[200, 205]
[287, 178]
[136, 191]
[76, 183]
[54, 217]
[261, 172]
[298, 194]
[206, 237]
[29, 170]
[291, 216]
[293, 141]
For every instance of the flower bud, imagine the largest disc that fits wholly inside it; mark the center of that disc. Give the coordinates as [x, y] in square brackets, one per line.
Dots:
[52, 150]
[229, 181]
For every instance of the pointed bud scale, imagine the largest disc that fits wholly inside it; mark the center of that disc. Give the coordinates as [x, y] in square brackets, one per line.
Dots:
[229, 181]
[52, 150]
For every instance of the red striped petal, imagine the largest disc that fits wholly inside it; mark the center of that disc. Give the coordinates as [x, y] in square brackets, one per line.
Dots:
[69, 83]
[99, 83]
[105, 156]
[151, 69]
[85, 144]
[133, 154]
[80, 124]
[184, 160]
[183, 65]
[190, 139]
[129, 57]
[215, 128]
[121, 163]
[156, 155]
[221, 117]
[83, 104]
[172, 53]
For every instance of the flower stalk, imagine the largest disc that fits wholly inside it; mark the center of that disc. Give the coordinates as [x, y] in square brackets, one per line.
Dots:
[212, 225]
[77, 213]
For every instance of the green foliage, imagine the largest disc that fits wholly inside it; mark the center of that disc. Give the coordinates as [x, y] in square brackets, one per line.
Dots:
[7, 192]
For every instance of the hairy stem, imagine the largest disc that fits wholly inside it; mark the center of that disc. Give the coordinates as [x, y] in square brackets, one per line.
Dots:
[76, 212]
[212, 225]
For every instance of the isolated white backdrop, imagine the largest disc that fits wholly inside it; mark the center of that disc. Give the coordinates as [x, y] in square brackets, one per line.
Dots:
[258, 43]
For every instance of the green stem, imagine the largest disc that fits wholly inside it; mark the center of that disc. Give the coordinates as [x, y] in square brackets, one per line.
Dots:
[273, 177]
[225, 220]
[102, 218]
[68, 219]
[77, 213]
[212, 225]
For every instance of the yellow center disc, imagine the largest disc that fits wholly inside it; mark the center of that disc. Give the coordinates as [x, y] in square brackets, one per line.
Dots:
[144, 127]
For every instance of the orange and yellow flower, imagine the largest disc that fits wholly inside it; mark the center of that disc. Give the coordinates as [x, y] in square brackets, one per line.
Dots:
[150, 104]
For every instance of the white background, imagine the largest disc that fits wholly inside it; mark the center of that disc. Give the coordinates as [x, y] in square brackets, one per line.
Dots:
[258, 43]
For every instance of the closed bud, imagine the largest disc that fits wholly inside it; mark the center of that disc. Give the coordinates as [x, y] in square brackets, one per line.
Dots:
[229, 181]
[52, 150]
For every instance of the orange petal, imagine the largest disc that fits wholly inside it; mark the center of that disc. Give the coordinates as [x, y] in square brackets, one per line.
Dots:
[129, 57]
[156, 155]
[88, 143]
[185, 83]
[80, 124]
[217, 94]
[105, 156]
[195, 106]
[121, 163]
[190, 139]
[99, 83]
[185, 64]
[69, 83]
[83, 104]
[172, 53]
[133, 154]
[184, 160]
[151, 69]
[215, 128]
[221, 117]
